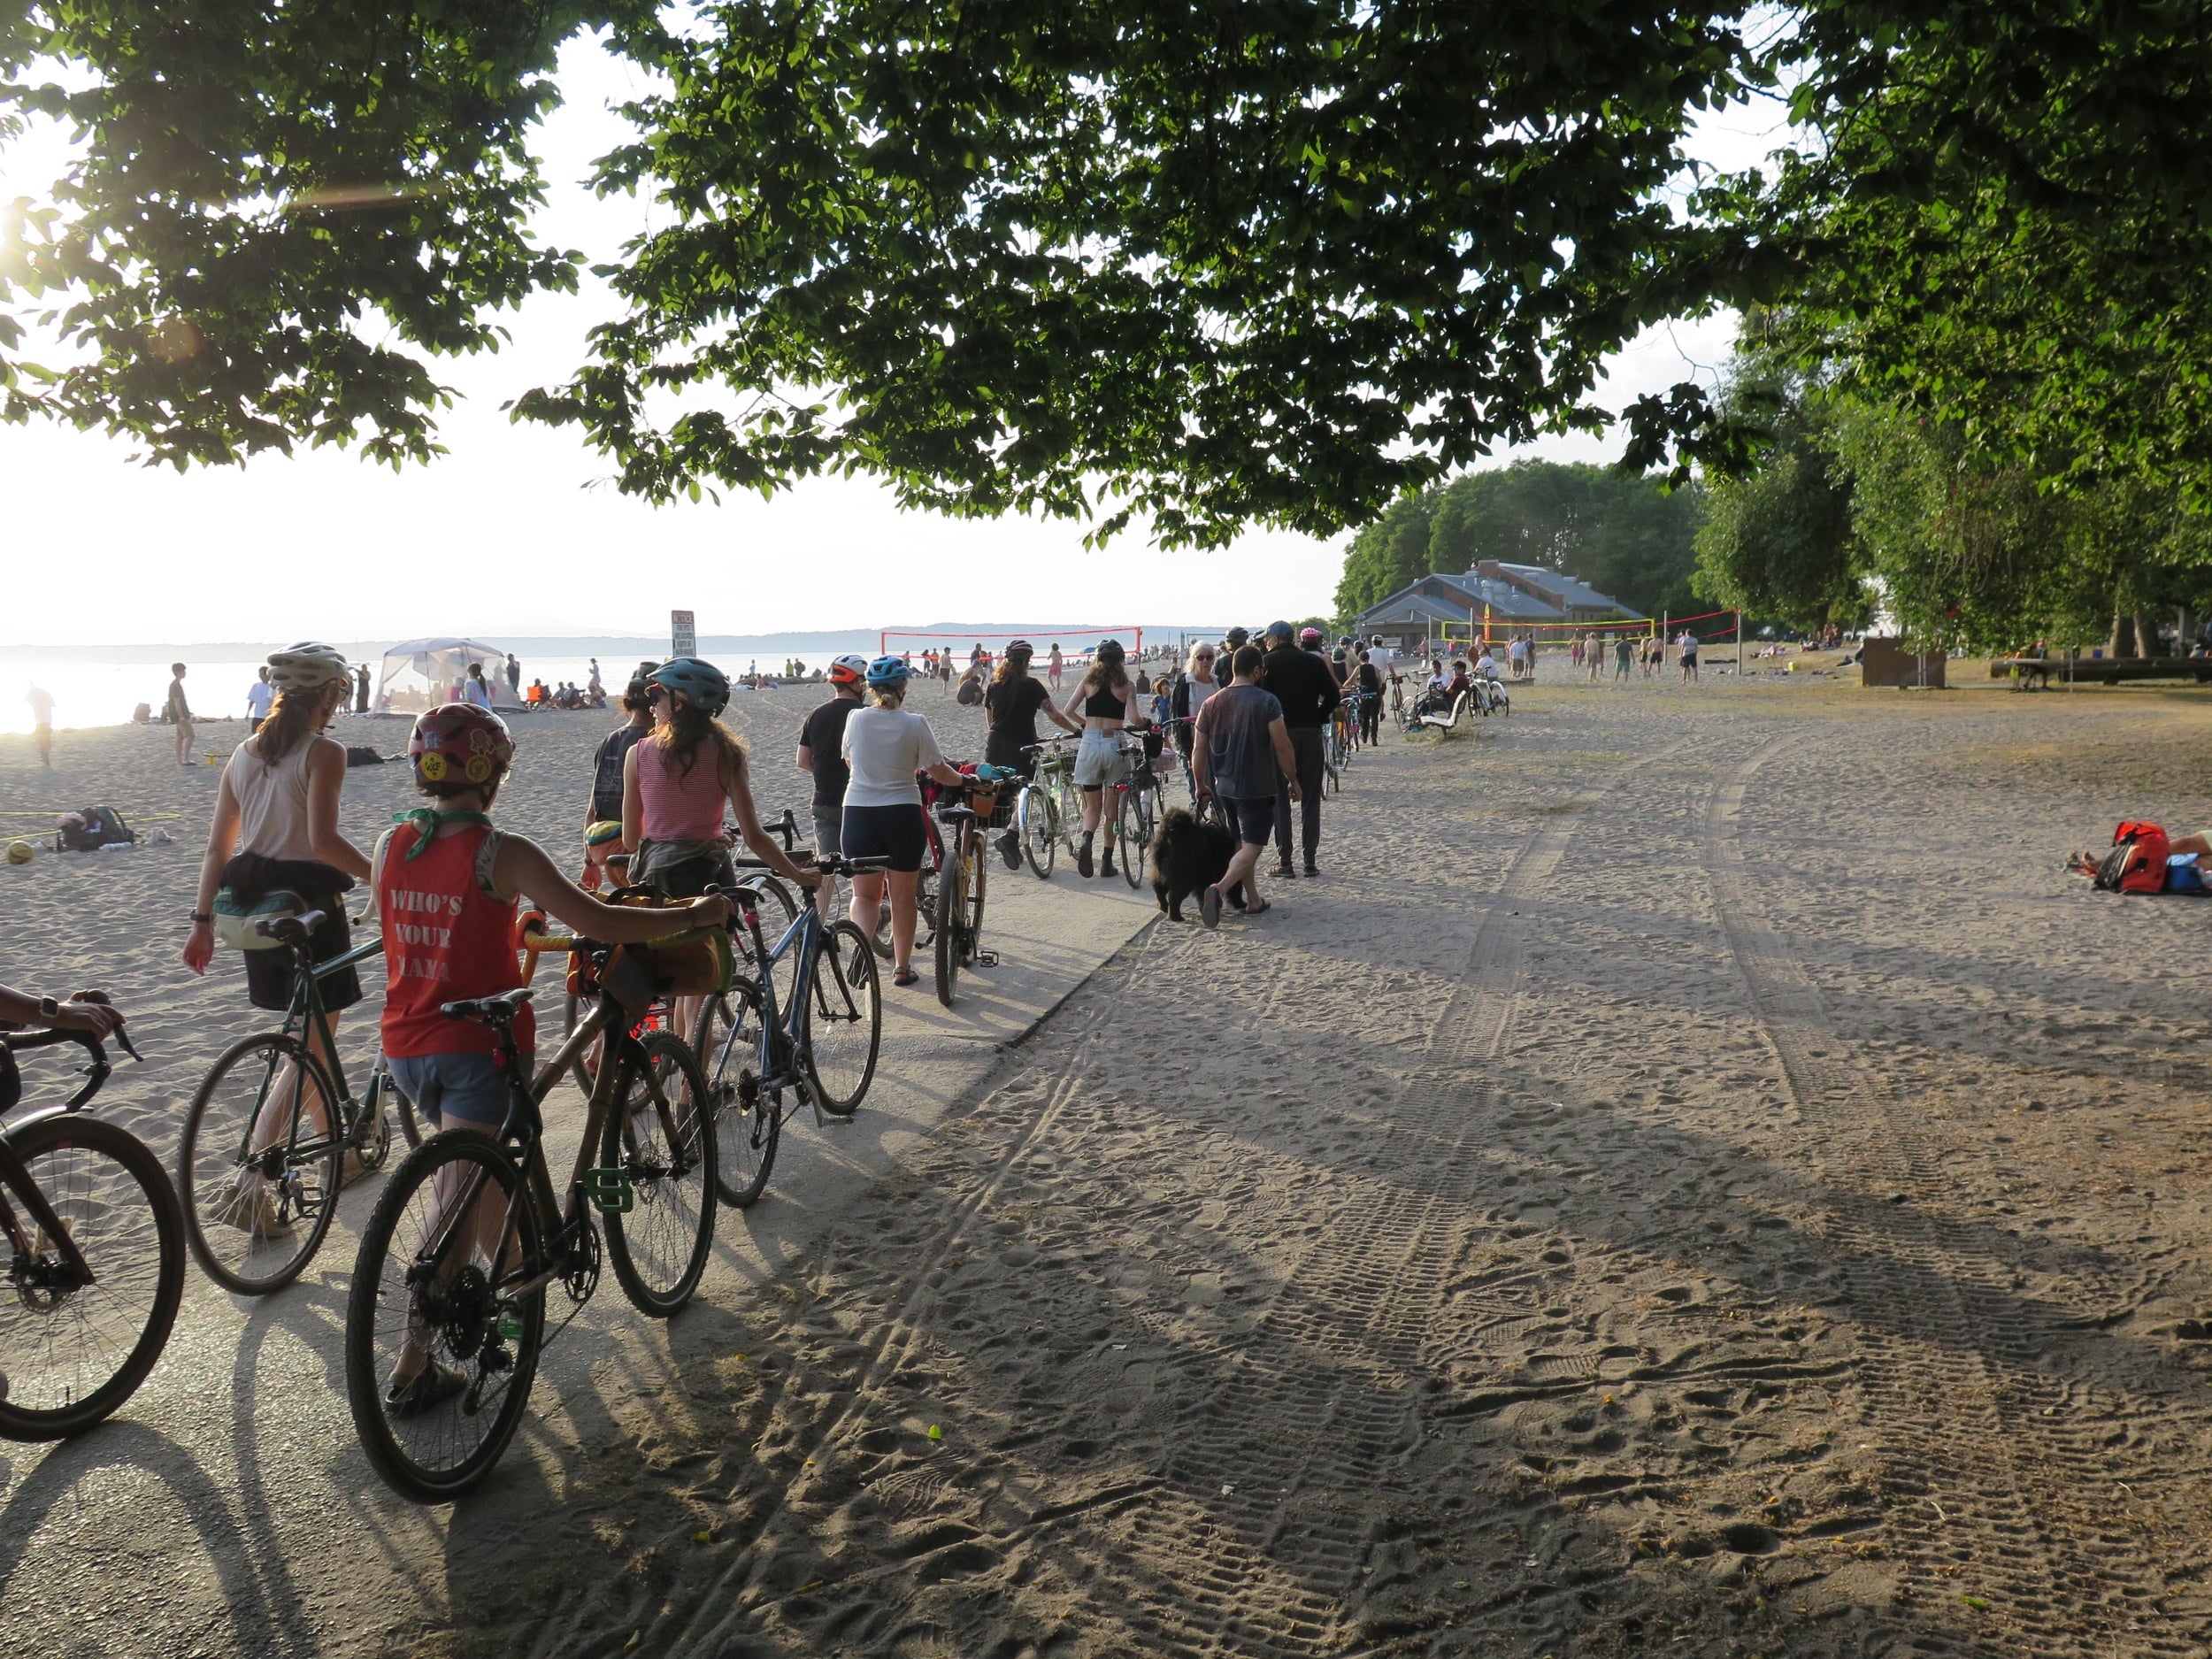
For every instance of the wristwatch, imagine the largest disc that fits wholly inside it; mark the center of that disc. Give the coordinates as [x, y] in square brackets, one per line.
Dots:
[202, 918]
[49, 1008]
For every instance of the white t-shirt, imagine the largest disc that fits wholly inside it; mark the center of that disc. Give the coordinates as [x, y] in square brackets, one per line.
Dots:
[885, 747]
[1487, 666]
[260, 695]
[42, 703]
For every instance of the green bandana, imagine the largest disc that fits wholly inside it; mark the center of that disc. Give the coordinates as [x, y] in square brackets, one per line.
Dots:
[426, 820]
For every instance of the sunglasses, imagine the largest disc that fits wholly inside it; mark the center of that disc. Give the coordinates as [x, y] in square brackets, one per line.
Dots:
[657, 693]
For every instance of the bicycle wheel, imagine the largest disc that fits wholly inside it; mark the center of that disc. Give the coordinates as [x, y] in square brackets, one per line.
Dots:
[71, 1354]
[1144, 805]
[424, 1291]
[661, 1136]
[978, 888]
[1040, 831]
[746, 1124]
[1127, 847]
[258, 1167]
[843, 1022]
[952, 887]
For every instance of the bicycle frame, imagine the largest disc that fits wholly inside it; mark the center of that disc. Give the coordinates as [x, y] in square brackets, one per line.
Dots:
[307, 1022]
[805, 931]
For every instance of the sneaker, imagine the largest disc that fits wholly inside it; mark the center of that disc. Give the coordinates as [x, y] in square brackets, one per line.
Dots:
[428, 1389]
[1210, 907]
[352, 1169]
[1285, 872]
[1009, 847]
[1083, 857]
[1311, 871]
[253, 1209]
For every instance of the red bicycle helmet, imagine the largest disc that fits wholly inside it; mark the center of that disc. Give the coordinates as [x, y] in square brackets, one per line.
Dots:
[460, 744]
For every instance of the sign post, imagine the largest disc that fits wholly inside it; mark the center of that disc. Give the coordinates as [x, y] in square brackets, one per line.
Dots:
[683, 634]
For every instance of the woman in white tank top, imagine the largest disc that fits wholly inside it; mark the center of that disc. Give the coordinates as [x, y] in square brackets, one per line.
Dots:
[276, 827]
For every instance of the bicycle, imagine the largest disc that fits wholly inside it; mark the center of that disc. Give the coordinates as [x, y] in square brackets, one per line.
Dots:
[1042, 810]
[261, 1161]
[468, 1235]
[1138, 812]
[962, 878]
[95, 1246]
[819, 1038]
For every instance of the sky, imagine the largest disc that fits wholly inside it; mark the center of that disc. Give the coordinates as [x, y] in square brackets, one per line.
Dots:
[528, 540]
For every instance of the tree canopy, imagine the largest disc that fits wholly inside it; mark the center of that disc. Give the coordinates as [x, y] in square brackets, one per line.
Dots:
[1629, 537]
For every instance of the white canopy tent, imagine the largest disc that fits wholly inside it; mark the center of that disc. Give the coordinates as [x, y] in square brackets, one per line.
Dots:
[421, 673]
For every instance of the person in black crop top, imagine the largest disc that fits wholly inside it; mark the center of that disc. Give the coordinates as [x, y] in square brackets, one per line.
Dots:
[1108, 703]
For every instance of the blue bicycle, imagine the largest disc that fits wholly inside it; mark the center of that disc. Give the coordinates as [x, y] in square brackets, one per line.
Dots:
[802, 1021]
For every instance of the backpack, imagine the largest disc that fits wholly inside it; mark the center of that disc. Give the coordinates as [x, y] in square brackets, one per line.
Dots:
[2137, 862]
[93, 827]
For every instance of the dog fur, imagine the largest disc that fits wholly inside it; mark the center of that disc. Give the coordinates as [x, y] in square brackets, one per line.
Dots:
[1187, 857]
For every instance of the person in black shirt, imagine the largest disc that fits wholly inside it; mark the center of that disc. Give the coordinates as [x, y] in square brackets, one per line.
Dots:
[1304, 685]
[1011, 706]
[822, 752]
[606, 774]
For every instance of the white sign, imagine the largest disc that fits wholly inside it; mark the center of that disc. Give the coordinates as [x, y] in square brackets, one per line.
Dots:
[683, 634]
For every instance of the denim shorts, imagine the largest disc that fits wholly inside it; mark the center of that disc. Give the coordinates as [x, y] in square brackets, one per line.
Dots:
[829, 831]
[468, 1088]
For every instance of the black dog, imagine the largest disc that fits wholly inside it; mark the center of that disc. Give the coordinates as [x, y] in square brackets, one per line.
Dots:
[1187, 857]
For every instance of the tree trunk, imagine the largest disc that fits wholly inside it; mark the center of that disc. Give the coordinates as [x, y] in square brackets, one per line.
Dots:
[2146, 634]
[2122, 641]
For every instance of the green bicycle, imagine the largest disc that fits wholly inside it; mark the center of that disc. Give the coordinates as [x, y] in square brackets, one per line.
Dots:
[1049, 808]
[263, 1156]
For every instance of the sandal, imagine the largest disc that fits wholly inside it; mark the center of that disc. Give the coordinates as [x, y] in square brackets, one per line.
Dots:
[1261, 909]
[906, 976]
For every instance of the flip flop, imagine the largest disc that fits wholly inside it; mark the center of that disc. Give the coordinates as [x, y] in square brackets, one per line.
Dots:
[1261, 909]
[1210, 907]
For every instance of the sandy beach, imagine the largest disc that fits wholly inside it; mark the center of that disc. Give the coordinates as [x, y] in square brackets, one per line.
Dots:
[1695, 1175]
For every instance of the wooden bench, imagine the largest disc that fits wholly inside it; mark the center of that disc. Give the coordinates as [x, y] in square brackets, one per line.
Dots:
[2035, 672]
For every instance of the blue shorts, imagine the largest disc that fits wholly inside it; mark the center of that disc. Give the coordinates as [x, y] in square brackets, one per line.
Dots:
[2183, 874]
[896, 833]
[457, 1088]
[829, 831]
[1253, 820]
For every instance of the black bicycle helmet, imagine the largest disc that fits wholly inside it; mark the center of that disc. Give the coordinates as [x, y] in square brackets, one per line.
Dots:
[1108, 651]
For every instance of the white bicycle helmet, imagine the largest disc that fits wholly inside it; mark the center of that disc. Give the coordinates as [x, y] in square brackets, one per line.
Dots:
[306, 665]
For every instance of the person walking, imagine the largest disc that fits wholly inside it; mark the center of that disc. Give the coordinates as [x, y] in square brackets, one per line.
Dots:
[258, 696]
[1108, 703]
[177, 713]
[275, 829]
[885, 745]
[674, 785]
[1370, 683]
[1010, 707]
[1302, 683]
[1055, 663]
[603, 806]
[822, 757]
[1187, 695]
[42, 702]
[1242, 748]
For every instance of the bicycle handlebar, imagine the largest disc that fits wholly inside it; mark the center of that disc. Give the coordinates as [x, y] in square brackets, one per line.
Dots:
[830, 865]
[101, 1068]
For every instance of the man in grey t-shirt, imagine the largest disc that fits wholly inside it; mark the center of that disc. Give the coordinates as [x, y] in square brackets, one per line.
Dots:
[1239, 748]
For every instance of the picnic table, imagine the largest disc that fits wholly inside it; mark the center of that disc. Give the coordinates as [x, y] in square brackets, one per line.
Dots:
[2035, 672]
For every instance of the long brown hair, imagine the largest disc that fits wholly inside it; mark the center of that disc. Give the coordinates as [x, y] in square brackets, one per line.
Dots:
[1010, 668]
[294, 718]
[689, 727]
[1098, 679]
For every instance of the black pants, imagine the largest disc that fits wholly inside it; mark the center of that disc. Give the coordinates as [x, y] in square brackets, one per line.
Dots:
[1305, 750]
[1370, 718]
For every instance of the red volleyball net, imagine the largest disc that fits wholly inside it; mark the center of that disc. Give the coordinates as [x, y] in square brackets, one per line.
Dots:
[1076, 641]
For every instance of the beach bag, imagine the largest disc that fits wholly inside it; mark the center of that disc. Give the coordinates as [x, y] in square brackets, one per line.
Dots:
[638, 976]
[93, 827]
[2137, 862]
[361, 754]
[238, 925]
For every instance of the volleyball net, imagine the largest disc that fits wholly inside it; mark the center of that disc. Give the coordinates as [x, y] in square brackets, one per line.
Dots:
[1075, 640]
[1562, 633]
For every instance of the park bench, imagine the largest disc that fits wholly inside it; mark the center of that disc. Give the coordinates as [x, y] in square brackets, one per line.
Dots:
[1446, 721]
[2035, 672]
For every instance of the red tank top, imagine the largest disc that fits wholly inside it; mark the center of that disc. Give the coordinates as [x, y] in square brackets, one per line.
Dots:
[444, 938]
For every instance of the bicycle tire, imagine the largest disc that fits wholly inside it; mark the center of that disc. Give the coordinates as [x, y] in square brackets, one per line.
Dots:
[847, 992]
[202, 1174]
[779, 910]
[1127, 826]
[745, 1137]
[89, 1218]
[463, 1328]
[1148, 806]
[658, 1249]
[951, 888]
[1040, 833]
[979, 885]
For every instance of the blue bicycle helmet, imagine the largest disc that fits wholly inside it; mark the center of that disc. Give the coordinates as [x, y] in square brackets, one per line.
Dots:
[886, 671]
[700, 683]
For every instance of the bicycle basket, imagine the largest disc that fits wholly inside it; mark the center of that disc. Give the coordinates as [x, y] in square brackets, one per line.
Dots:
[993, 806]
[636, 976]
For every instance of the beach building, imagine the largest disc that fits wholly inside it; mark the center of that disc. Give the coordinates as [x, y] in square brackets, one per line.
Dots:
[1446, 605]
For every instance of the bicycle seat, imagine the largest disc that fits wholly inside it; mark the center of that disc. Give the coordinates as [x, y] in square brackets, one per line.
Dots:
[955, 812]
[490, 1011]
[290, 929]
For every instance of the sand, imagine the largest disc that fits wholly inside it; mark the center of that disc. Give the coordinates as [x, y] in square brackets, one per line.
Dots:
[1696, 1175]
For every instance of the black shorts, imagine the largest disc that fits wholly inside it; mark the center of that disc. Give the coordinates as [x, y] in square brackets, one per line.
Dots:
[1254, 820]
[1012, 756]
[896, 833]
[270, 976]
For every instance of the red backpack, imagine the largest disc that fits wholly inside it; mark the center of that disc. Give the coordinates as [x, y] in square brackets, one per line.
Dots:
[2137, 862]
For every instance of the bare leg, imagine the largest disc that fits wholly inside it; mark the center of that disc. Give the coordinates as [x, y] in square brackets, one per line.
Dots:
[904, 917]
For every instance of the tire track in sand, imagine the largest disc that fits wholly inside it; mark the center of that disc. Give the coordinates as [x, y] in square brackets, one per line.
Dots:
[1998, 1460]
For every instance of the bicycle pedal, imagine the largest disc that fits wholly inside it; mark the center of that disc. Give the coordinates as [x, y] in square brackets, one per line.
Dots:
[986, 958]
[607, 1187]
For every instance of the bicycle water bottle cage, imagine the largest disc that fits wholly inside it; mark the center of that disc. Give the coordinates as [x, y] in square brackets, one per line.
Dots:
[607, 1187]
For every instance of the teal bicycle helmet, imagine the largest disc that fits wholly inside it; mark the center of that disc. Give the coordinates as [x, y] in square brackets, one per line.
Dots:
[886, 671]
[698, 682]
